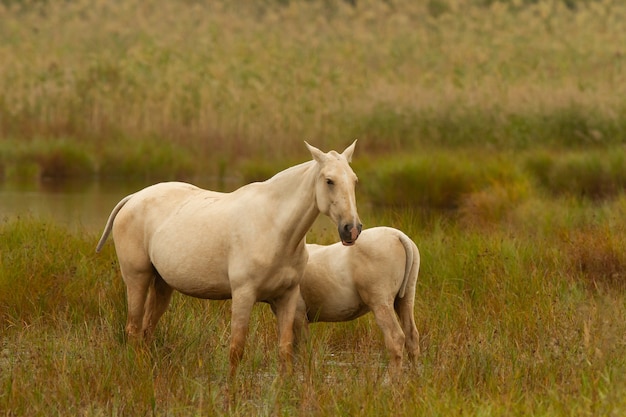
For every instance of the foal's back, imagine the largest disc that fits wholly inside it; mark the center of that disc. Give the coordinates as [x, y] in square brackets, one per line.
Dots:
[342, 283]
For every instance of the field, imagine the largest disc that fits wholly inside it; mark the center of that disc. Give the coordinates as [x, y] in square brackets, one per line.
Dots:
[524, 318]
[491, 132]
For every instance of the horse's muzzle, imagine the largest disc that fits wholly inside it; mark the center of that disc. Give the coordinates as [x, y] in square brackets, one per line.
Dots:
[349, 233]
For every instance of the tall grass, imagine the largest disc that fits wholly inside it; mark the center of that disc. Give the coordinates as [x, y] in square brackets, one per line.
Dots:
[223, 80]
[177, 90]
[522, 318]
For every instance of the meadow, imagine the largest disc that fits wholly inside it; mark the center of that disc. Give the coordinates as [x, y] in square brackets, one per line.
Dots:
[525, 317]
[491, 132]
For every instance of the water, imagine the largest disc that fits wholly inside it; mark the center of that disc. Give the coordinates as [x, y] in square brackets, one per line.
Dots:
[80, 205]
[85, 205]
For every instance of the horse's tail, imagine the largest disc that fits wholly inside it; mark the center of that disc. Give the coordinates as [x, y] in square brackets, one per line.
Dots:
[412, 263]
[109, 225]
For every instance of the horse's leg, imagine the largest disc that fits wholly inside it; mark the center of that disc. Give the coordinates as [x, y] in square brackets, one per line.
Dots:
[159, 296]
[405, 309]
[242, 303]
[137, 287]
[285, 314]
[392, 332]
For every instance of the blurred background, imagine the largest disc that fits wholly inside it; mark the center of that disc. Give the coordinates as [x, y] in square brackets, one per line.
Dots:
[456, 104]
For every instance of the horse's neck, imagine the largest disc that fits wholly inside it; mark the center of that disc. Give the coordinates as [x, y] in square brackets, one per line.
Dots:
[293, 199]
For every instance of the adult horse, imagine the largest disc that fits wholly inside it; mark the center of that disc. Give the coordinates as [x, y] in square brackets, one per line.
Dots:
[378, 274]
[248, 245]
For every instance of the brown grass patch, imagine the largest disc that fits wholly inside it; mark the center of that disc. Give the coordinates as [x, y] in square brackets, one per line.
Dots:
[597, 256]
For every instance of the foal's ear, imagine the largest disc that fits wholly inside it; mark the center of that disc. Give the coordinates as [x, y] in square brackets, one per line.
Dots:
[318, 155]
[349, 151]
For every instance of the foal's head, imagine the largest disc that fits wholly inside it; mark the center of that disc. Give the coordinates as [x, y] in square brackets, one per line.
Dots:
[334, 191]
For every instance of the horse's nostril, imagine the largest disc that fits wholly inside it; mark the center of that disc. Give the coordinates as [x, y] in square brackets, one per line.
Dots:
[346, 228]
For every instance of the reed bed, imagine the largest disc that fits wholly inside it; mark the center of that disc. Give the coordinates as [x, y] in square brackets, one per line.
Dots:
[126, 82]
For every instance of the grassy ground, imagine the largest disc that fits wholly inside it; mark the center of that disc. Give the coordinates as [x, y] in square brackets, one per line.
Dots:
[522, 317]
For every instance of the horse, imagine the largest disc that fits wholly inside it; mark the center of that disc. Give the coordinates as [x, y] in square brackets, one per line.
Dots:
[378, 274]
[247, 245]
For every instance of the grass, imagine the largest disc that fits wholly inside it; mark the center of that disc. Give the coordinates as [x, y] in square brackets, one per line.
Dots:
[226, 81]
[522, 318]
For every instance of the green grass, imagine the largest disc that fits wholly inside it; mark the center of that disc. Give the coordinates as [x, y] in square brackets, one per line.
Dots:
[525, 317]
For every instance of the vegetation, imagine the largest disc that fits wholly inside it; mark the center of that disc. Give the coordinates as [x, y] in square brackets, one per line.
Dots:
[491, 132]
[117, 87]
[522, 316]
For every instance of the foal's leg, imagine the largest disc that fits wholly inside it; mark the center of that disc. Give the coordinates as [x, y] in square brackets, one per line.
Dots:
[392, 332]
[159, 296]
[242, 303]
[405, 310]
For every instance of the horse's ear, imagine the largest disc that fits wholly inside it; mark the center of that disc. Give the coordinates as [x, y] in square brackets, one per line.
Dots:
[318, 155]
[349, 151]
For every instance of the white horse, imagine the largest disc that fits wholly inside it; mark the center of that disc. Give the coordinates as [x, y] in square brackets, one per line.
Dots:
[378, 274]
[248, 245]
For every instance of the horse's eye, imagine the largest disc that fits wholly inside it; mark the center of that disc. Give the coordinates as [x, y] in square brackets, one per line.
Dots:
[330, 182]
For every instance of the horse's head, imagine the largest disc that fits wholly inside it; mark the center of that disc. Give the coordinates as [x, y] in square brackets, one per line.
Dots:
[334, 191]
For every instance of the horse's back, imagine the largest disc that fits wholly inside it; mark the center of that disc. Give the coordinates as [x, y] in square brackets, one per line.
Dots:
[151, 205]
[163, 193]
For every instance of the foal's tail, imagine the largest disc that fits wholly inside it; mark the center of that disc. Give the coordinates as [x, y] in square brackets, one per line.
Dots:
[109, 225]
[412, 264]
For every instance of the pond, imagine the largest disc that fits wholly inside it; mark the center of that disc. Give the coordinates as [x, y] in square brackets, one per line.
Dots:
[84, 205]
[78, 204]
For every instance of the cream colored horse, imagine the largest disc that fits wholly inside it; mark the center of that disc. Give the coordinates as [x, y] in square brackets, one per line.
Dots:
[378, 274]
[248, 245]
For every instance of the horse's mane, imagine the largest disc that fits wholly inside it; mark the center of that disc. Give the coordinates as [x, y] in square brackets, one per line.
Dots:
[291, 170]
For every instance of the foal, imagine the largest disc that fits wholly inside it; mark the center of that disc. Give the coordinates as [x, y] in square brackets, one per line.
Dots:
[377, 274]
